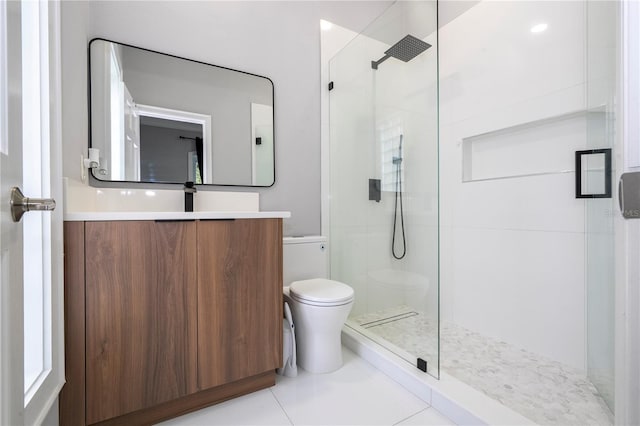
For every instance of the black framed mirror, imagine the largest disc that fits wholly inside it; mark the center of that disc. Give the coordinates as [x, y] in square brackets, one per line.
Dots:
[159, 118]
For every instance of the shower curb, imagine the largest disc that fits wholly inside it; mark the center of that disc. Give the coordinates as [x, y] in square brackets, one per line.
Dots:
[452, 398]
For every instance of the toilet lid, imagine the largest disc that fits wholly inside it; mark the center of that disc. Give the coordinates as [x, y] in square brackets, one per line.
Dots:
[320, 290]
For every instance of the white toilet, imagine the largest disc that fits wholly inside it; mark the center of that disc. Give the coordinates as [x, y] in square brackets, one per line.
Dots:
[319, 306]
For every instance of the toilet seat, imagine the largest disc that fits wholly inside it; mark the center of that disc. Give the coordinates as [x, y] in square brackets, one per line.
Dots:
[321, 292]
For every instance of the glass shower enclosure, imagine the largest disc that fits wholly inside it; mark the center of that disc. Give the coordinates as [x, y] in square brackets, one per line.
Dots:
[384, 208]
[525, 248]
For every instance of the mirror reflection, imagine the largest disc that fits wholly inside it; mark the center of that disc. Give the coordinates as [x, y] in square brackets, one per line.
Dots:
[159, 118]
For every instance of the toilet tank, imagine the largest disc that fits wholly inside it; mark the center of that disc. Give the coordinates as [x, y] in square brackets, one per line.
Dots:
[304, 258]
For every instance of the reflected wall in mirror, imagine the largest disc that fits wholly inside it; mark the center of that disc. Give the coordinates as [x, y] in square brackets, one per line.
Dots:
[160, 118]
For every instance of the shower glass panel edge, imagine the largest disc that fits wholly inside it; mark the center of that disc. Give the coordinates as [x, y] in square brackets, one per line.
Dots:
[383, 117]
[599, 225]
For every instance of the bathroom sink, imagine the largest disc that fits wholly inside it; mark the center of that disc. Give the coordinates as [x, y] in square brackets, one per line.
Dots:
[83, 202]
[148, 215]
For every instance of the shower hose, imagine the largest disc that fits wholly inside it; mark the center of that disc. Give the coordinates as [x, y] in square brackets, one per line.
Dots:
[395, 210]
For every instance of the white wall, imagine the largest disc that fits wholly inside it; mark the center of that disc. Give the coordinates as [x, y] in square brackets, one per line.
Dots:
[513, 249]
[75, 122]
[280, 40]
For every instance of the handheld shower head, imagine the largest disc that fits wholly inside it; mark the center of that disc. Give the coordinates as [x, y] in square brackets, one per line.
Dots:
[398, 159]
[405, 50]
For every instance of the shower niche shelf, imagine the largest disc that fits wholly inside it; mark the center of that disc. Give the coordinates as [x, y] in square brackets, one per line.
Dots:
[538, 147]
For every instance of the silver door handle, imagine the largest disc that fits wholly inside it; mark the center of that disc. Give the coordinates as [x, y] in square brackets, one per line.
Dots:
[21, 204]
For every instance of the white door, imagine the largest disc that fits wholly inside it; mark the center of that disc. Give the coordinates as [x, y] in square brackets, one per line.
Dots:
[131, 138]
[11, 292]
[31, 338]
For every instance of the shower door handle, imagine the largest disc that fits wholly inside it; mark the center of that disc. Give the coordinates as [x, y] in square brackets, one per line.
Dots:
[590, 164]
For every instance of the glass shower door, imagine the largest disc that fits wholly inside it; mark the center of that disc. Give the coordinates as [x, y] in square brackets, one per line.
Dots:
[599, 212]
[384, 181]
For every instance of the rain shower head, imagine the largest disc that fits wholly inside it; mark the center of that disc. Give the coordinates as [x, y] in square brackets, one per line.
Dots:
[405, 50]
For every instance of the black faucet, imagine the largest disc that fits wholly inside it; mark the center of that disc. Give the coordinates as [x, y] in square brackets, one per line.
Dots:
[189, 190]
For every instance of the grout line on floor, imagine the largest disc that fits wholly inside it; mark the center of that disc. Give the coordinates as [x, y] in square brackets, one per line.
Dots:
[281, 407]
[408, 417]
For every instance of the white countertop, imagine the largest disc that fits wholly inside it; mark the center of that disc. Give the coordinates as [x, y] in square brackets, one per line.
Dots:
[109, 216]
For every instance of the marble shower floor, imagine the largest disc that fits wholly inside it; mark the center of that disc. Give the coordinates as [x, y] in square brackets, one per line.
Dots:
[543, 390]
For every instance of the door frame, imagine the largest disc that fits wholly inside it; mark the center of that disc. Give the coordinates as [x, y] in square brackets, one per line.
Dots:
[627, 232]
[57, 216]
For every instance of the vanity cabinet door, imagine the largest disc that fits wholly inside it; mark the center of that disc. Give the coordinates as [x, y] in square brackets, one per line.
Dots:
[140, 315]
[239, 299]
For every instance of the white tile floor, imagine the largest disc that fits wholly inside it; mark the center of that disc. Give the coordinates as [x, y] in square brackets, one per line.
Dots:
[356, 394]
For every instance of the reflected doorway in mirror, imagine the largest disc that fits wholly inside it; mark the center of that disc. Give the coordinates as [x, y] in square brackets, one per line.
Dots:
[169, 134]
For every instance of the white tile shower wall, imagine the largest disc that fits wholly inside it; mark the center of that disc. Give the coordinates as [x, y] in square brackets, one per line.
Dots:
[491, 155]
[504, 63]
[361, 230]
[522, 287]
[354, 219]
[602, 32]
[513, 249]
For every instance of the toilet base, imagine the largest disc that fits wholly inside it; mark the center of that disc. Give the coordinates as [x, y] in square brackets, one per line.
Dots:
[320, 354]
[318, 335]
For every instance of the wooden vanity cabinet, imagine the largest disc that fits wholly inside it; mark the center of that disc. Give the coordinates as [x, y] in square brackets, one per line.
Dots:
[140, 315]
[165, 317]
[239, 299]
